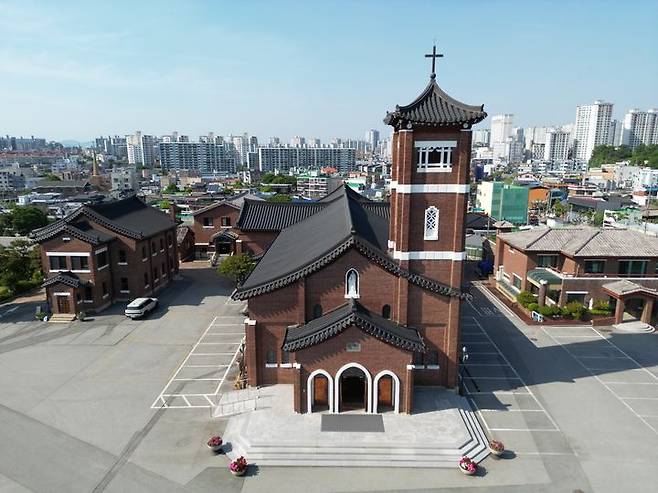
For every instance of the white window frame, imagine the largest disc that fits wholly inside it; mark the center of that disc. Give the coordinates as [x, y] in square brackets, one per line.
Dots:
[431, 233]
[358, 281]
[445, 149]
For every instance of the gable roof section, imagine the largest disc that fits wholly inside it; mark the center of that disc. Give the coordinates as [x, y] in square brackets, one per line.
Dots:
[352, 313]
[584, 242]
[434, 107]
[258, 215]
[309, 245]
[129, 217]
[66, 278]
[214, 206]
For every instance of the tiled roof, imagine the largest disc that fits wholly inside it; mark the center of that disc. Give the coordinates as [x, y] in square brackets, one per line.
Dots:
[274, 216]
[435, 108]
[66, 278]
[352, 313]
[129, 217]
[584, 242]
[307, 246]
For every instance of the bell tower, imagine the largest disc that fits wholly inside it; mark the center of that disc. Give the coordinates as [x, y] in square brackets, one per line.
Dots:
[431, 152]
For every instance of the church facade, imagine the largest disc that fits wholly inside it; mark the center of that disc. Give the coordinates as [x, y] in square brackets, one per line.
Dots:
[357, 302]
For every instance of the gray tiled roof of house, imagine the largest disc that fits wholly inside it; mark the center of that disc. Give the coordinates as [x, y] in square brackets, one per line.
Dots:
[66, 278]
[130, 217]
[584, 242]
[274, 216]
[352, 313]
[625, 287]
[435, 108]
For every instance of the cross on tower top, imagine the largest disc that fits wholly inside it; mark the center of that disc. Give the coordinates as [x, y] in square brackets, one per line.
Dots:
[434, 55]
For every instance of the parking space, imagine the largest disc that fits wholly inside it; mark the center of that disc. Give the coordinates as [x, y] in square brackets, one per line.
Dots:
[502, 399]
[622, 375]
[208, 368]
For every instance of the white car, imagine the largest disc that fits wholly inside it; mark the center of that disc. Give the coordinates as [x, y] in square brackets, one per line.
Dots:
[140, 307]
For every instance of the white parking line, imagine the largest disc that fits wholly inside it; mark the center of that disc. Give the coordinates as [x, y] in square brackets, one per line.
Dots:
[602, 382]
[518, 377]
[188, 402]
[624, 353]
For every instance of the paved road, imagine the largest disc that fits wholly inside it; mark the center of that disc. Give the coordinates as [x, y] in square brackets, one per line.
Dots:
[75, 399]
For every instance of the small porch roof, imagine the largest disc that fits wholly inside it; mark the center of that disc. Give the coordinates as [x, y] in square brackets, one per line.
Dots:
[536, 276]
[625, 288]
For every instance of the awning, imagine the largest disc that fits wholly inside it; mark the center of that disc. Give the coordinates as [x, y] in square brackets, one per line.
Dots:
[536, 276]
[624, 287]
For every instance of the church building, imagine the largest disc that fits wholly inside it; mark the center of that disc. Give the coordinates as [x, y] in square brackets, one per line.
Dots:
[358, 302]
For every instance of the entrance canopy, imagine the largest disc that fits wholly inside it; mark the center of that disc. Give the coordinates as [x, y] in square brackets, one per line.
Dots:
[625, 289]
[536, 276]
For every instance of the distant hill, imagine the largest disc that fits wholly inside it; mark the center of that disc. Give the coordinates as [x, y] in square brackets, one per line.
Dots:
[76, 143]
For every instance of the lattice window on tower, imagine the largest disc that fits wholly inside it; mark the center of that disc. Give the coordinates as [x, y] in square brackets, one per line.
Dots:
[434, 156]
[432, 223]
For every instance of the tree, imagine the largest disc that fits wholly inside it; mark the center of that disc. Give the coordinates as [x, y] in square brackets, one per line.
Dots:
[26, 219]
[558, 209]
[279, 197]
[236, 267]
[171, 188]
[51, 177]
[20, 266]
[597, 218]
[164, 204]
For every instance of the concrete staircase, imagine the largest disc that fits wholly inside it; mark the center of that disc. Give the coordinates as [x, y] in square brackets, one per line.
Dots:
[358, 452]
[62, 318]
[634, 327]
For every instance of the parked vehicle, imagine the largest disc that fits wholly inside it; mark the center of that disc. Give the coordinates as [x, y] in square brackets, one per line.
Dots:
[140, 307]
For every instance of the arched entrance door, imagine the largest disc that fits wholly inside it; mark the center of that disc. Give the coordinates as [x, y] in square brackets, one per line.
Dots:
[320, 393]
[353, 390]
[385, 391]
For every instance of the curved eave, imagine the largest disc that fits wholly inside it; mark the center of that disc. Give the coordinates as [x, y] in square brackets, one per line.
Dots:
[365, 325]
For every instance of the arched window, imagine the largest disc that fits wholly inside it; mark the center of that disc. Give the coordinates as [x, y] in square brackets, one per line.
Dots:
[386, 311]
[432, 223]
[352, 284]
[317, 311]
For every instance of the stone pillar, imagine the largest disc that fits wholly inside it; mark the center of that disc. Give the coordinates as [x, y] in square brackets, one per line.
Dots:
[647, 310]
[251, 352]
[408, 395]
[299, 395]
[543, 288]
[619, 311]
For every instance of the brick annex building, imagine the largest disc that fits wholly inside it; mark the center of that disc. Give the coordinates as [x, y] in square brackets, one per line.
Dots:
[355, 302]
[107, 252]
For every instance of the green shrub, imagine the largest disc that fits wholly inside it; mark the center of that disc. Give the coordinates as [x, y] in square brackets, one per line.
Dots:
[5, 293]
[525, 298]
[533, 307]
[25, 285]
[549, 311]
[574, 310]
[601, 307]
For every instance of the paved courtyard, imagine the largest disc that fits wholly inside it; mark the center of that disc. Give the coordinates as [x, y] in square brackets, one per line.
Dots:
[120, 405]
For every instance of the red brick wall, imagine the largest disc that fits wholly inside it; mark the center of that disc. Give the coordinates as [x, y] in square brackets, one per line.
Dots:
[256, 242]
[375, 355]
[203, 234]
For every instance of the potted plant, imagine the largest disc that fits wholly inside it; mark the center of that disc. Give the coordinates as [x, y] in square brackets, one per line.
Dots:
[496, 448]
[81, 316]
[467, 466]
[215, 443]
[238, 467]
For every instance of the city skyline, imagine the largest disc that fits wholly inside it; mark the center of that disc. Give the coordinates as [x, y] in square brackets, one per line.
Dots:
[103, 72]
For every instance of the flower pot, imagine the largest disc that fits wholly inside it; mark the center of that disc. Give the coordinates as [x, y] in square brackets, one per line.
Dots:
[239, 473]
[467, 472]
[215, 448]
[495, 452]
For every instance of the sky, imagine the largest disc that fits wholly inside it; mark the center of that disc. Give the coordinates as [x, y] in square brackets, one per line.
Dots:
[76, 70]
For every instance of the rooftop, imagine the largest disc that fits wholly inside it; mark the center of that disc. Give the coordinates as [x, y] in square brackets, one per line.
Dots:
[584, 242]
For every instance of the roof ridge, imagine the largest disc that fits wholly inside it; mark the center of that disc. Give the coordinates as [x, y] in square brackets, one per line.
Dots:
[586, 241]
[548, 230]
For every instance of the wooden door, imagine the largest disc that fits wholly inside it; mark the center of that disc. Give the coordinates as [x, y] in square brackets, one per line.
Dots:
[320, 391]
[63, 305]
[385, 391]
